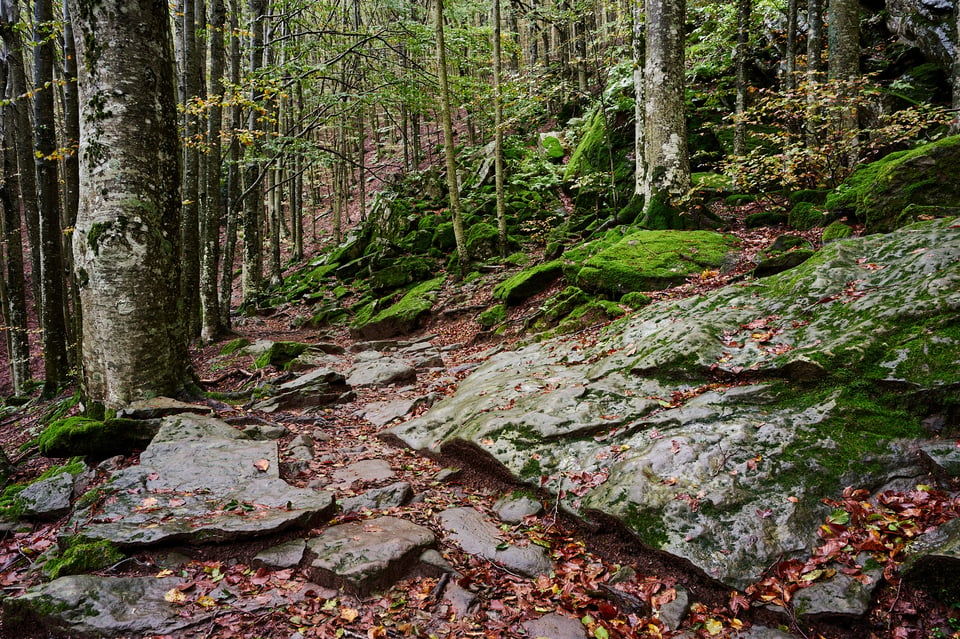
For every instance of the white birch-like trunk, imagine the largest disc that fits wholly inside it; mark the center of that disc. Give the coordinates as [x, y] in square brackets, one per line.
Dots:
[127, 234]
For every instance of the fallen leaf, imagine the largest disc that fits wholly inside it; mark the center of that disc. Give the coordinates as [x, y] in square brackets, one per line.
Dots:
[262, 465]
[349, 614]
[174, 596]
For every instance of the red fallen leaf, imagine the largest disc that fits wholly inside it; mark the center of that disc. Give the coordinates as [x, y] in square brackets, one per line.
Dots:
[262, 465]
[607, 611]
[177, 502]
[261, 577]
[153, 476]
[186, 585]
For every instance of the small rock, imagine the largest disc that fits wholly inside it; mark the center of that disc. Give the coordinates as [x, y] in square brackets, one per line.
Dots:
[381, 372]
[48, 498]
[447, 474]
[160, 407]
[434, 559]
[674, 612]
[265, 432]
[461, 599]
[364, 471]
[555, 626]
[839, 595]
[623, 573]
[366, 556]
[468, 527]
[513, 509]
[390, 496]
[289, 554]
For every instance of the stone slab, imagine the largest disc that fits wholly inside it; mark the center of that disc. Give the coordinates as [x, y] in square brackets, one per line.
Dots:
[478, 536]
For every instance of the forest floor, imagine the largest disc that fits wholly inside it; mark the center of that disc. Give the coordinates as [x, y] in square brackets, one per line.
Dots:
[586, 558]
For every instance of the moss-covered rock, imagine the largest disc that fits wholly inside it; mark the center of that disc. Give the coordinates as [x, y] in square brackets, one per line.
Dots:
[80, 555]
[635, 300]
[807, 215]
[280, 355]
[402, 317]
[482, 241]
[765, 218]
[492, 316]
[233, 346]
[528, 283]
[813, 196]
[80, 436]
[881, 191]
[836, 230]
[653, 260]
[402, 271]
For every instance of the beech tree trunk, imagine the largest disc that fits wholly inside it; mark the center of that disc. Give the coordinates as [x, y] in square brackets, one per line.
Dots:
[814, 66]
[667, 174]
[498, 135]
[955, 125]
[233, 176]
[190, 214]
[843, 62]
[449, 145]
[210, 303]
[740, 63]
[127, 236]
[253, 203]
[52, 283]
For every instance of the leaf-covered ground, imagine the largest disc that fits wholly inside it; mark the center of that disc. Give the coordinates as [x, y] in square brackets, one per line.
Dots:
[602, 576]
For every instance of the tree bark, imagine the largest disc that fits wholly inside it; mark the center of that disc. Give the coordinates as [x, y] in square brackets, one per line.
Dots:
[955, 124]
[190, 215]
[814, 66]
[843, 63]
[449, 148]
[52, 283]
[639, 108]
[14, 284]
[667, 173]
[127, 236]
[790, 54]
[253, 203]
[498, 167]
[210, 302]
[233, 175]
[71, 174]
[740, 63]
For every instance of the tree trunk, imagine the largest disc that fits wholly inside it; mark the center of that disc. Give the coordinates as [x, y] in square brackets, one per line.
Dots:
[232, 208]
[790, 54]
[955, 124]
[20, 130]
[253, 203]
[449, 148]
[71, 173]
[843, 64]
[814, 67]
[667, 174]
[190, 216]
[127, 234]
[740, 63]
[52, 285]
[498, 167]
[211, 325]
[14, 284]
[639, 108]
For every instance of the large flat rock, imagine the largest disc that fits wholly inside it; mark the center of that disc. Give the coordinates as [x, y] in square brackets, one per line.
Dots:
[90, 606]
[365, 556]
[730, 476]
[478, 536]
[200, 481]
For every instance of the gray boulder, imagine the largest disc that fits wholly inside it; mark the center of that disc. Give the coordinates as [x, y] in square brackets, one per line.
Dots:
[478, 536]
[383, 371]
[635, 425]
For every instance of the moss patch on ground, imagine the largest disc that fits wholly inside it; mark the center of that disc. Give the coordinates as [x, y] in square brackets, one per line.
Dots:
[280, 355]
[528, 283]
[85, 436]
[402, 317]
[653, 260]
[81, 555]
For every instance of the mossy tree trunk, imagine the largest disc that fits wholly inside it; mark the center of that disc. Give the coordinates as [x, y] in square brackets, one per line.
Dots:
[449, 148]
[740, 64]
[955, 125]
[127, 236]
[498, 167]
[639, 88]
[253, 186]
[190, 216]
[667, 174]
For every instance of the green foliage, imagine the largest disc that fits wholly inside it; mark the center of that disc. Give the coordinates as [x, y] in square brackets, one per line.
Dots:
[782, 126]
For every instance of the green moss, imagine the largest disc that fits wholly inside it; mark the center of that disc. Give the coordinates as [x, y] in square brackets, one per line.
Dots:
[492, 316]
[280, 355]
[814, 196]
[482, 241]
[740, 199]
[806, 215]
[836, 230]
[517, 259]
[662, 214]
[552, 148]
[592, 149]
[80, 555]
[85, 436]
[531, 470]
[653, 260]
[765, 218]
[528, 283]
[646, 525]
[635, 300]
[233, 346]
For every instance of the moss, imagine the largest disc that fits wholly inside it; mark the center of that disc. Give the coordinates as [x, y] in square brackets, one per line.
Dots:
[765, 218]
[403, 271]
[633, 209]
[443, 237]
[528, 283]
[879, 192]
[653, 260]
[517, 259]
[482, 241]
[592, 149]
[86, 436]
[836, 230]
[280, 355]
[646, 525]
[740, 199]
[531, 469]
[552, 148]
[806, 215]
[813, 196]
[635, 300]
[662, 214]
[233, 346]
[80, 555]
[492, 316]
[593, 312]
